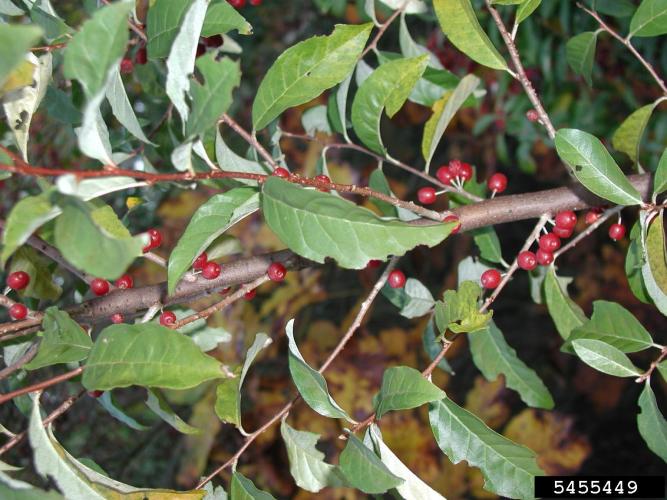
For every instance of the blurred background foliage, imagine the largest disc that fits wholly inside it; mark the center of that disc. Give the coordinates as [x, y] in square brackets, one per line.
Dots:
[592, 431]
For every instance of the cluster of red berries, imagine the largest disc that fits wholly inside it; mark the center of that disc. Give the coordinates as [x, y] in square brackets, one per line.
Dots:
[457, 172]
[18, 280]
[238, 4]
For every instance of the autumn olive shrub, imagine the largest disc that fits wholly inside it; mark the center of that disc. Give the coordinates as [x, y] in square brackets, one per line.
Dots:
[111, 333]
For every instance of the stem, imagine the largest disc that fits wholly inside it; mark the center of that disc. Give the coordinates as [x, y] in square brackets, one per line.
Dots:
[250, 139]
[23, 360]
[647, 374]
[41, 385]
[383, 28]
[521, 72]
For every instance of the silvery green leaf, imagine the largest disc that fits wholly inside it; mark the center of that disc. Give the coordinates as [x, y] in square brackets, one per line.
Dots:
[121, 107]
[7, 8]
[181, 157]
[88, 189]
[230, 161]
[410, 48]
[93, 135]
[315, 120]
[414, 6]
[362, 72]
[107, 402]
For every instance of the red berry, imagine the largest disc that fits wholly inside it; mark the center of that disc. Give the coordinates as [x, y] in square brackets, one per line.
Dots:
[141, 57]
[255, 3]
[95, 394]
[616, 231]
[155, 240]
[125, 281]
[323, 178]
[237, 3]
[461, 169]
[126, 66]
[454, 167]
[214, 41]
[490, 279]
[497, 182]
[276, 271]
[18, 312]
[444, 175]
[281, 172]
[99, 286]
[167, 318]
[453, 218]
[250, 295]
[532, 115]
[201, 50]
[566, 219]
[18, 280]
[225, 290]
[543, 257]
[592, 216]
[549, 242]
[117, 318]
[527, 260]
[200, 262]
[426, 195]
[373, 263]
[211, 270]
[561, 232]
[396, 279]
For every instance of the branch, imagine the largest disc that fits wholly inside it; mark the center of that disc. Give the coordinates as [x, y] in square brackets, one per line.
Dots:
[40, 386]
[521, 72]
[626, 42]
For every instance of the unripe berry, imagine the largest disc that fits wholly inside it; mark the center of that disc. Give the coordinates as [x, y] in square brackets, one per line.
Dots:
[95, 394]
[566, 219]
[490, 279]
[444, 175]
[549, 242]
[527, 260]
[532, 115]
[250, 295]
[18, 312]
[18, 280]
[497, 182]
[453, 218]
[167, 318]
[200, 262]
[426, 195]
[276, 272]
[396, 279]
[141, 57]
[543, 257]
[211, 270]
[561, 232]
[125, 281]
[117, 318]
[126, 66]
[592, 216]
[281, 172]
[99, 286]
[616, 231]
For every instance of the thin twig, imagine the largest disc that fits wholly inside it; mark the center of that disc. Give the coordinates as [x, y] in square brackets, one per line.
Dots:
[250, 139]
[22, 361]
[383, 28]
[41, 385]
[654, 365]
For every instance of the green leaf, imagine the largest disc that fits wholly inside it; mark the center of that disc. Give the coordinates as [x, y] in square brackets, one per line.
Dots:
[181, 60]
[315, 120]
[404, 388]
[228, 393]
[222, 18]
[162, 24]
[629, 135]
[243, 489]
[654, 267]
[660, 178]
[307, 69]
[15, 40]
[650, 19]
[317, 225]
[594, 167]
[7, 8]
[148, 355]
[307, 465]
[488, 243]
[210, 220]
[613, 324]
[337, 107]
[459, 311]
[413, 487]
[121, 106]
[229, 160]
[443, 112]
[106, 401]
[605, 358]
[311, 384]
[458, 21]
[161, 408]
[565, 313]
[433, 347]
[526, 9]
[580, 53]
[63, 341]
[25, 218]
[633, 265]
[414, 299]
[662, 368]
[652, 425]
[364, 470]
[410, 48]
[378, 182]
[509, 469]
[212, 99]
[493, 356]
[97, 47]
[387, 87]
[413, 7]
[42, 285]
[95, 250]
